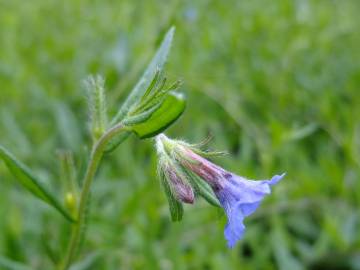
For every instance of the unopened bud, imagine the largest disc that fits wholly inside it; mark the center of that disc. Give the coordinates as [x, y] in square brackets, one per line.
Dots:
[70, 201]
[181, 189]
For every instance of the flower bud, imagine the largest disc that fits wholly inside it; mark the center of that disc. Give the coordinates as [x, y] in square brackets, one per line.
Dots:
[238, 196]
[70, 201]
[182, 190]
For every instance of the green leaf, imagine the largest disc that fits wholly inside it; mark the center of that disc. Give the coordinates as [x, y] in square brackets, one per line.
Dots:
[141, 117]
[170, 110]
[152, 85]
[156, 65]
[29, 182]
[154, 98]
[175, 207]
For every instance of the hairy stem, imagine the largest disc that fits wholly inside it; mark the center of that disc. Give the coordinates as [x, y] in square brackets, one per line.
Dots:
[93, 164]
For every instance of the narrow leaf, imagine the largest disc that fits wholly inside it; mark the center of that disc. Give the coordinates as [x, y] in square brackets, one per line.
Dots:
[170, 110]
[29, 182]
[141, 117]
[154, 97]
[157, 63]
[152, 84]
[151, 103]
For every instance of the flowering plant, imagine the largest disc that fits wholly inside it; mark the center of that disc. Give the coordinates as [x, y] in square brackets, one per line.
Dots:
[150, 108]
[184, 172]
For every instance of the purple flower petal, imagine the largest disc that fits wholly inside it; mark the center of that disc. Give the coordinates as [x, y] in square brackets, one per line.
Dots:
[249, 208]
[235, 227]
[276, 178]
[240, 198]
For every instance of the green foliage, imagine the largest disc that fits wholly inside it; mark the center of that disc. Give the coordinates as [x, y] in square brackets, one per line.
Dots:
[150, 107]
[276, 85]
[149, 76]
[26, 178]
[170, 109]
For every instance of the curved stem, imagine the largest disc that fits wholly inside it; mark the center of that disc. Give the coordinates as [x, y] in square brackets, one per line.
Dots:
[93, 164]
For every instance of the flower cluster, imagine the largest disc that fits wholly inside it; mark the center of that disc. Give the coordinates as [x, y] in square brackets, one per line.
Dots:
[186, 173]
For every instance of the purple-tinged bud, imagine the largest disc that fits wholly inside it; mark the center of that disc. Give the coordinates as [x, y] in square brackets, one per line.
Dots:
[176, 179]
[211, 173]
[238, 196]
[182, 191]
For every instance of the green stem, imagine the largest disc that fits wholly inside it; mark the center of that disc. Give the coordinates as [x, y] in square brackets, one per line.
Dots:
[93, 164]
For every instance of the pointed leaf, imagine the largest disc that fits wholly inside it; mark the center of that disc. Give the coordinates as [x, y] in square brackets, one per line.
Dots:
[152, 85]
[157, 63]
[29, 181]
[141, 117]
[154, 98]
[170, 110]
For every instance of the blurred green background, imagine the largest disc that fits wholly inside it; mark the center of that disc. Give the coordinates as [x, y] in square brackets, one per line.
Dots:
[276, 83]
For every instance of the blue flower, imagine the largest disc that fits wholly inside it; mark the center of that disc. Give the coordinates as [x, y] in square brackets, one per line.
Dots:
[240, 198]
